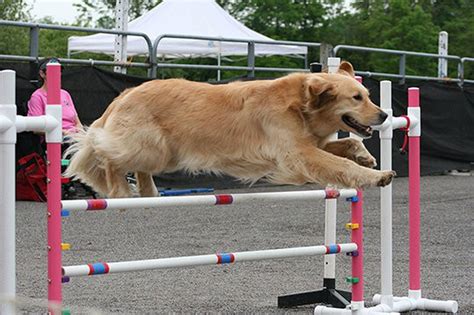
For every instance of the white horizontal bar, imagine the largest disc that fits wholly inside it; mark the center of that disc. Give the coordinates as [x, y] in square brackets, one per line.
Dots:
[134, 203]
[189, 261]
[397, 123]
[36, 123]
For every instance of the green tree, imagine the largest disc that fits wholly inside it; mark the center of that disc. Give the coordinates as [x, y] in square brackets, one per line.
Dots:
[14, 10]
[456, 17]
[391, 24]
[105, 9]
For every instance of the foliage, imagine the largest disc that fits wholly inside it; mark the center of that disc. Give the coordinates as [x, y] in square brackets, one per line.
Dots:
[14, 10]
[394, 24]
[105, 9]
[53, 43]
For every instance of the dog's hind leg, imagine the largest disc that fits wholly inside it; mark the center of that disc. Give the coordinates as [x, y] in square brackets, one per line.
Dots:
[116, 182]
[146, 185]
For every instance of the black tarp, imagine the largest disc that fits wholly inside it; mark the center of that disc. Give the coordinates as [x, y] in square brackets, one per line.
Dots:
[447, 117]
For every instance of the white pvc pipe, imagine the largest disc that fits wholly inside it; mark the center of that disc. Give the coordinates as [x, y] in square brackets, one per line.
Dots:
[121, 203]
[330, 215]
[323, 310]
[386, 136]
[7, 194]
[189, 261]
[36, 123]
[406, 304]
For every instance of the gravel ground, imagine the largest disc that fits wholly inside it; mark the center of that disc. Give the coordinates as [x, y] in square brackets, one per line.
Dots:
[252, 287]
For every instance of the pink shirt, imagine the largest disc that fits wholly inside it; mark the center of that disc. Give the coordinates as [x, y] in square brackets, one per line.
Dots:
[37, 107]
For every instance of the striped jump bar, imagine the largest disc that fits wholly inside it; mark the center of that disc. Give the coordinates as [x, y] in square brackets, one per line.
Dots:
[133, 203]
[213, 259]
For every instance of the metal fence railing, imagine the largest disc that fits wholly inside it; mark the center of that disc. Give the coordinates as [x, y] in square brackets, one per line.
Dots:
[151, 61]
[251, 68]
[461, 69]
[34, 42]
[153, 65]
[402, 63]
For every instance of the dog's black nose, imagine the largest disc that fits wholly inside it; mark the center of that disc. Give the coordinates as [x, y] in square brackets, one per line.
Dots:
[382, 116]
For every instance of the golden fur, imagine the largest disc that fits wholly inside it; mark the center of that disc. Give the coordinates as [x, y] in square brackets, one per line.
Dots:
[274, 130]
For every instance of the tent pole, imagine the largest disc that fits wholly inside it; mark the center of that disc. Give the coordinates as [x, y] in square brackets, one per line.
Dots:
[121, 24]
[219, 62]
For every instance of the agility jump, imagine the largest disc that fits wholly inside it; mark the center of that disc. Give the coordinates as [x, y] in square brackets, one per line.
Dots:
[51, 123]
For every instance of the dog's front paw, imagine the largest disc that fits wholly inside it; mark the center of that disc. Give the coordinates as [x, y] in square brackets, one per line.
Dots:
[386, 178]
[366, 160]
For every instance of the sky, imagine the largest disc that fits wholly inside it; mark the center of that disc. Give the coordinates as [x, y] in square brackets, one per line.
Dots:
[60, 10]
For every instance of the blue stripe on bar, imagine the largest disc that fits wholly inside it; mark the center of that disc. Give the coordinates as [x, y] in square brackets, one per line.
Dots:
[99, 268]
[332, 249]
[225, 258]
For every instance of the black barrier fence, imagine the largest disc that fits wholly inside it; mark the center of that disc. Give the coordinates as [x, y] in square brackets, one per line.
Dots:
[447, 118]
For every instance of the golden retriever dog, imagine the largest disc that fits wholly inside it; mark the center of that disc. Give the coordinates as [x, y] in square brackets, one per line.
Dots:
[274, 130]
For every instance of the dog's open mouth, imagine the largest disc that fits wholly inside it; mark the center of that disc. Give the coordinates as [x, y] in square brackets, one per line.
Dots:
[361, 130]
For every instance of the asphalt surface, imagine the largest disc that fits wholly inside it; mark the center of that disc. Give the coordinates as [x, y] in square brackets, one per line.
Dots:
[250, 287]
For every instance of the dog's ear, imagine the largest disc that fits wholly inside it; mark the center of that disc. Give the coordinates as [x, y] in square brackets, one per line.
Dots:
[347, 69]
[321, 91]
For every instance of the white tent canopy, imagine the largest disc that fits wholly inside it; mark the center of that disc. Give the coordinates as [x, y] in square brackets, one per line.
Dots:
[185, 17]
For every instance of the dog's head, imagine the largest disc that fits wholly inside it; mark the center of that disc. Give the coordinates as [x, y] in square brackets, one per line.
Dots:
[338, 102]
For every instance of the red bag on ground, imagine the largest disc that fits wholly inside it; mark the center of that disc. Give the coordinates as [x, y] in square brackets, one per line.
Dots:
[31, 178]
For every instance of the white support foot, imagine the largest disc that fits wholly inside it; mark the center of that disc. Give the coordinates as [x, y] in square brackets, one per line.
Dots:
[414, 301]
[356, 308]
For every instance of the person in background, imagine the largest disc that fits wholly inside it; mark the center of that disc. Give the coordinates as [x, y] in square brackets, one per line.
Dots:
[37, 102]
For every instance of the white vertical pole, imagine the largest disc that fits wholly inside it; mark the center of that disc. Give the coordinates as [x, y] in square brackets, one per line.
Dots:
[331, 205]
[443, 50]
[219, 55]
[353, 135]
[386, 135]
[7, 192]
[121, 24]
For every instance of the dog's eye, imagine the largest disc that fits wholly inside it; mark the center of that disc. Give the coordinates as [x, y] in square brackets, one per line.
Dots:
[358, 97]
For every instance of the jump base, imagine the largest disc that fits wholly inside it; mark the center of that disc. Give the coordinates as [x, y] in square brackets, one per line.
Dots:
[328, 295]
[416, 303]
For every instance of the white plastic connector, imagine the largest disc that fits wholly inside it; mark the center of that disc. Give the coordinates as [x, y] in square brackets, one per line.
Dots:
[414, 294]
[415, 121]
[357, 305]
[54, 133]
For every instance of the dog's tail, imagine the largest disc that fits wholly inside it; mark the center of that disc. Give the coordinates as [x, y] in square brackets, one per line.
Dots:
[85, 164]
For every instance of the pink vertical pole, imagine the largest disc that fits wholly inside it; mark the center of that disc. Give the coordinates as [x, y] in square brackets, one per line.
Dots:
[358, 259]
[414, 189]
[53, 139]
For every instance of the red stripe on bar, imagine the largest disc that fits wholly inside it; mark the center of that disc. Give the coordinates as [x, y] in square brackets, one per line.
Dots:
[338, 248]
[91, 269]
[106, 267]
[96, 204]
[332, 193]
[224, 199]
